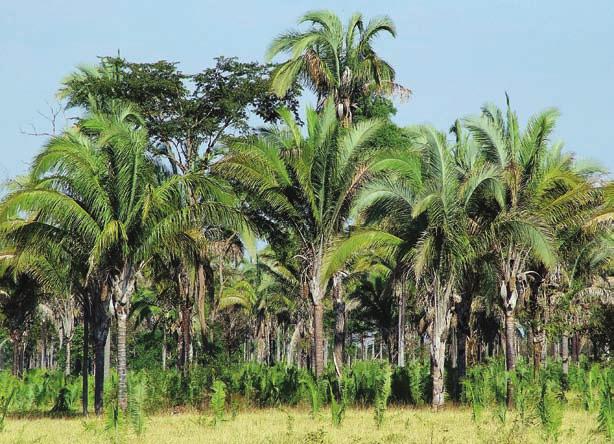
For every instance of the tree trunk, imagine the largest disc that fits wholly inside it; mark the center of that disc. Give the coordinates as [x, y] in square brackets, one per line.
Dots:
[401, 324]
[318, 334]
[538, 347]
[84, 362]
[438, 350]
[122, 367]
[510, 353]
[68, 357]
[339, 310]
[101, 318]
[565, 357]
[16, 339]
[107, 354]
[163, 348]
[575, 347]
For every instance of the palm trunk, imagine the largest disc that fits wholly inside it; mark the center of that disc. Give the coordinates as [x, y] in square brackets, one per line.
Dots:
[318, 335]
[339, 310]
[68, 357]
[538, 346]
[107, 355]
[293, 343]
[565, 357]
[122, 366]
[401, 326]
[16, 339]
[163, 348]
[575, 347]
[101, 318]
[84, 362]
[438, 349]
[510, 353]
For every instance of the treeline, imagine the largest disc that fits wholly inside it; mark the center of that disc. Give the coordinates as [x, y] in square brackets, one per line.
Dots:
[162, 229]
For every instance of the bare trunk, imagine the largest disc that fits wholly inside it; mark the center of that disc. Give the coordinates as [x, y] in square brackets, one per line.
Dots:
[84, 362]
[318, 334]
[68, 356]
[102, 337]
[107, 354]
[510, 353]
[164, 349]
[293, 343]
[438, 349]
[339, 310]
[565, 358]
[538, 347]
[122, 365]
[401, 325]
[575, 347]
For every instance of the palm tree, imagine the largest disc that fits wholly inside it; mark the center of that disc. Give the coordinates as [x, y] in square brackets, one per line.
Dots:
[305, 184]
[98, 183]
[335, 63]
[537, 189]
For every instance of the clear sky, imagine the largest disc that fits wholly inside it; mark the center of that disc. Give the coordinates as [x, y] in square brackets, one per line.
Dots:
[455, 55]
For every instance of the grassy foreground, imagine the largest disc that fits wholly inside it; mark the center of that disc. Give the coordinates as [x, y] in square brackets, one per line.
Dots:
[402, 425]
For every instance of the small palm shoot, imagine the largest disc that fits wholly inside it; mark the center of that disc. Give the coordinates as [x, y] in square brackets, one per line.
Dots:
[606, 406]
[550, 411]
[218, 401]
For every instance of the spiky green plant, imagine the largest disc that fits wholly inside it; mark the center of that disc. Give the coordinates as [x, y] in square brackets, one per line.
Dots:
[382, 393]
[218, 401]
[550, 410]
[136, 400]
[606, 405]
[313, 394]
[337, 407]
[474, 394]
[5, 404]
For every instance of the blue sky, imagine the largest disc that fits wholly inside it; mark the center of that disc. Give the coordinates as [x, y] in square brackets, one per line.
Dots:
[455, 55]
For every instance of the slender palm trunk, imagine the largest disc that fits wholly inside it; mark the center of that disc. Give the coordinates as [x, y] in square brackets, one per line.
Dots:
[101, 319]
[163, 348]
[401, 325]
[339, 310]
[68, 357]
[575, 347]
[107, 354]
[122, 366]
[565, 358]
[84, 362]
[16, 339]
[318, 335]
[510, 353]
[438, 350]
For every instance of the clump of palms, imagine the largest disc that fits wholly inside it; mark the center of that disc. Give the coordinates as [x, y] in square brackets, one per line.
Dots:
[336, 63]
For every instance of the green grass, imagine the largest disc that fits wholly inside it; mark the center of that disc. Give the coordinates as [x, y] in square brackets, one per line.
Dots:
[296, 425]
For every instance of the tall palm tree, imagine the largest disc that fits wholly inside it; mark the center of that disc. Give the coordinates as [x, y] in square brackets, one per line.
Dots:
[426, 205]
[98, 183]
[538, 189]
[335, 63]
[305, 184]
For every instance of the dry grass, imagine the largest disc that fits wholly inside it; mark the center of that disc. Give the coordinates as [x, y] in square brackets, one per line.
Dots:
[453, 425]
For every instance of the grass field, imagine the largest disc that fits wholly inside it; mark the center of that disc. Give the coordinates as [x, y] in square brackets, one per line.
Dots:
[401, 425]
